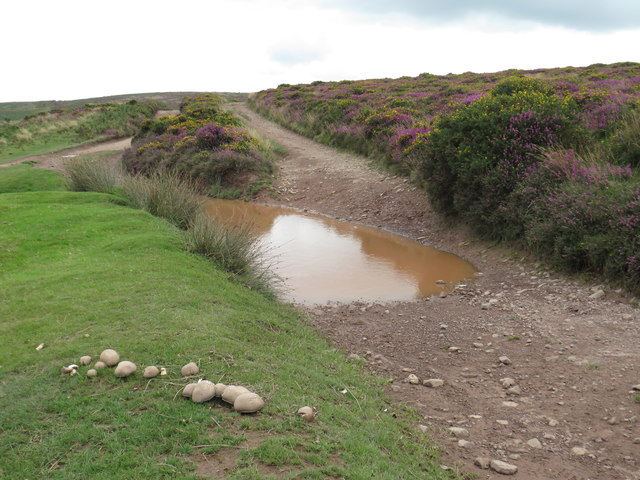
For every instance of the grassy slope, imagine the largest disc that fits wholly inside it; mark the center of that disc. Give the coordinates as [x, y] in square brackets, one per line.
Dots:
[81, 273]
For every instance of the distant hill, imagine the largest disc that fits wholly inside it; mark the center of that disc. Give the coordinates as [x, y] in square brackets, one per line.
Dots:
[18, 110]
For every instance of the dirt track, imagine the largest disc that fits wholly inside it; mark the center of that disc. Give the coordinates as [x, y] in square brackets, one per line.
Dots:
[573, 360]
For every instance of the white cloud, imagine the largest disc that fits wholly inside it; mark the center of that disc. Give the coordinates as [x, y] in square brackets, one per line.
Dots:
[88, 49]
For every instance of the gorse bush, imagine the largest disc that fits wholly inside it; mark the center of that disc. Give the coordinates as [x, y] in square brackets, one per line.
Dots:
[476, 156]
[204, 143]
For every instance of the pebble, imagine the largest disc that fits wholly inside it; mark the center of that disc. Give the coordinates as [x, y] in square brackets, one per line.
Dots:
[433, 382]
[478, 345]
[503, 467]
[553, 422]
[502, 422]
[485, 306]
[423, 428]
[636, 440]
[613, 421]
[459, 432]
[579, 451]
[598, 294]
[413, 379]
[505, 360]
[515, 390]
[440, 282]
[482, 462]
[454, 349]
[534, 443]
[510, 404]
[507, 382]
[464, 443]
[443, 295]
[636, 388]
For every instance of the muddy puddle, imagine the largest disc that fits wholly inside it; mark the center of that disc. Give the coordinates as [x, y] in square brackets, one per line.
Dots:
[325, 260]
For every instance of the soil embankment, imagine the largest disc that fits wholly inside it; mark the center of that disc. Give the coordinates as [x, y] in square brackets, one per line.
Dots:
[537, 370]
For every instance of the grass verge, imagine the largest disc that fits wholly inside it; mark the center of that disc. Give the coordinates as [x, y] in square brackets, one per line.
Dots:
[80, 273]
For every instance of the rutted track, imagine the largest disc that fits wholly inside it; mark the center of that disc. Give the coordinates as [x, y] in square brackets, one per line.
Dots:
[574, 359]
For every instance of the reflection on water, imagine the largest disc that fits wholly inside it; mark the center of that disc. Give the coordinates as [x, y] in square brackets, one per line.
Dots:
[324, 260]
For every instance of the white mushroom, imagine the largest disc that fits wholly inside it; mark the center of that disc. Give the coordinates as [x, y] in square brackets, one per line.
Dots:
[151, 372]
[163, 371]
[85, 360]
[189, 369]
[125, 368]
[203, 391]
[110, 357]
[248, 403]
[232, 392]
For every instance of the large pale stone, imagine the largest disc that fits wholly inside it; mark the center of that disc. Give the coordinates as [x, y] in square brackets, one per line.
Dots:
[125, 368]
[203, 391]
[232, 392]
[109, 357]
[248, 403]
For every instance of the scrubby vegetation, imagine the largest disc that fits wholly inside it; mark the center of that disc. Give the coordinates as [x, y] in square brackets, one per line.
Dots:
[81, 272]
[205, 143]
[60, 128]
[549, 158]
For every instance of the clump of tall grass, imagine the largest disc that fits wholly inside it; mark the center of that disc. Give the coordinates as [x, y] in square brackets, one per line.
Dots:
[233, 247]
[169, 195]
[92, 175]
[165, 194]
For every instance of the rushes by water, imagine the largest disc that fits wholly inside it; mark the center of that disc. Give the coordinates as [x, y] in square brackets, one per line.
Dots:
[167, 194]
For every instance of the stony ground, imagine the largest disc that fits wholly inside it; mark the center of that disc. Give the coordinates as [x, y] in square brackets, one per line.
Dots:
[520, 366]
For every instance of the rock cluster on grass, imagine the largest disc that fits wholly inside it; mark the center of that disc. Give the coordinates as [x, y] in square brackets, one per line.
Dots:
[241, 398]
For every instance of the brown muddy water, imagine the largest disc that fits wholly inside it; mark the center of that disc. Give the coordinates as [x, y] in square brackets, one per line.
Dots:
[325, 260]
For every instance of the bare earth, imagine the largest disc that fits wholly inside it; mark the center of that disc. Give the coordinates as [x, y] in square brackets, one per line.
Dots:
[573, 360]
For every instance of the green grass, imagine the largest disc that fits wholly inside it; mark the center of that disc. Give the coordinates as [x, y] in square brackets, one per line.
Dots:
[16, 152]
[79, 273]
[26, 178]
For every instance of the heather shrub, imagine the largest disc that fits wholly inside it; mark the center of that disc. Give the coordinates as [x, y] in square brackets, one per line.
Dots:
[203, 143]
[476, 156]
[593, 227]
[624, 143]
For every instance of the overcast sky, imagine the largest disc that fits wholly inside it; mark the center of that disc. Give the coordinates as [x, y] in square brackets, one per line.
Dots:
[70, 49]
